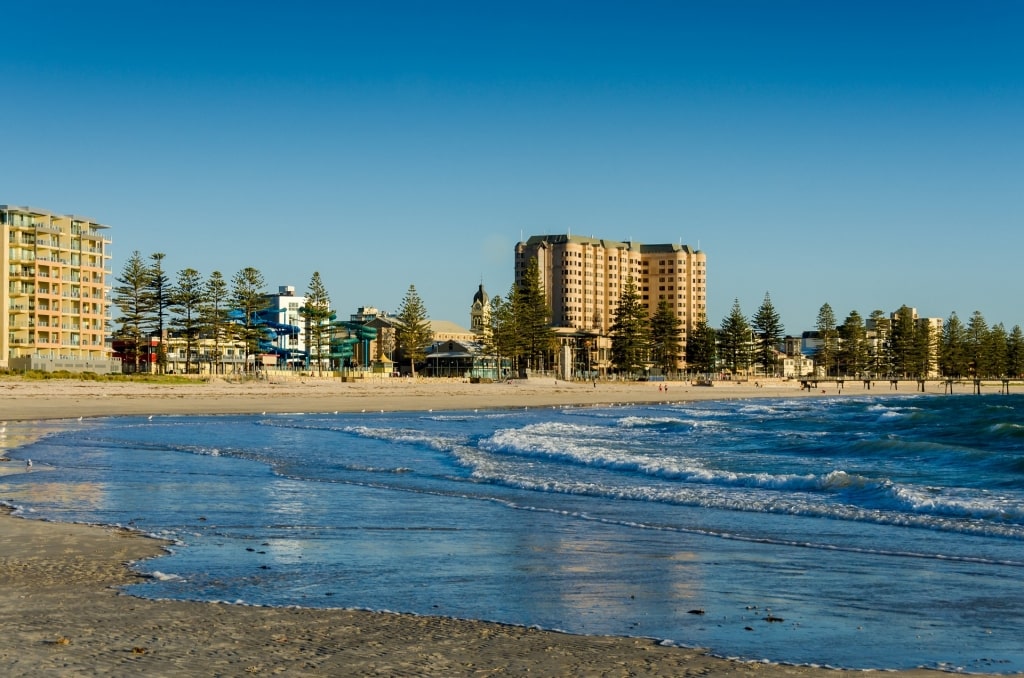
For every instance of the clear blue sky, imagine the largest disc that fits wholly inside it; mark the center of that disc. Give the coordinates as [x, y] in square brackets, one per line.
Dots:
[863, 154]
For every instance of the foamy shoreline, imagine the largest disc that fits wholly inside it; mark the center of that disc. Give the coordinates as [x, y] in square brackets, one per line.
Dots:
[63, 615]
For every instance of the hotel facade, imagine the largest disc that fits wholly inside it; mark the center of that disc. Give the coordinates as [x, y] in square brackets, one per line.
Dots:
[584, 278]
[56, 298]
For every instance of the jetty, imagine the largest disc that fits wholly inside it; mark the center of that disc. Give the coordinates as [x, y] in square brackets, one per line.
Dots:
[975, 385]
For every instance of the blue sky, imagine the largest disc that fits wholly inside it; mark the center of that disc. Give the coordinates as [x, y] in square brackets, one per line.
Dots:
[860, 154]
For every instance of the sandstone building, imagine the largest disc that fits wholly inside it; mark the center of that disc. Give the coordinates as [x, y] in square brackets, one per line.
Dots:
[55, 294]
[583, 279]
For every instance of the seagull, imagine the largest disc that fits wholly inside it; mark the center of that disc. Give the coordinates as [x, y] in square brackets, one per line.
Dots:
[150, 417]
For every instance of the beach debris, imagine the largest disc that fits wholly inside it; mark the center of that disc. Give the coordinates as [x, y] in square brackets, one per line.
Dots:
[139, 650]
[62, 640]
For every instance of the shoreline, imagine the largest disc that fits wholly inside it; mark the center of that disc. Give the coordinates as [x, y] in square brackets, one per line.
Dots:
[59, 582]
[22, 399]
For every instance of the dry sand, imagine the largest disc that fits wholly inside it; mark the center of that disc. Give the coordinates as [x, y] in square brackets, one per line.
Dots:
[32, 399]
[63, 615]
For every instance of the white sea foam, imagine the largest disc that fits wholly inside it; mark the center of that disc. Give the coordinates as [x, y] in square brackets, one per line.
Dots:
[161, 576]
[638, 422]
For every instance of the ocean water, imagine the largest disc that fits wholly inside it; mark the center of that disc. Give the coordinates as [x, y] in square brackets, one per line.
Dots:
[875, 532]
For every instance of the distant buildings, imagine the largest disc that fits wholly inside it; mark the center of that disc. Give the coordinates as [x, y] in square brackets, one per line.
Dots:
[290, 345]
[55, 294]
[585, 277]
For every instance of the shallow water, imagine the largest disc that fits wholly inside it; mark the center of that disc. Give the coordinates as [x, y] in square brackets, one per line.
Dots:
[853, 532]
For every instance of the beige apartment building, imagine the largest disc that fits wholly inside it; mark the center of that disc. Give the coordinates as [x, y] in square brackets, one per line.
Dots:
[584, 278]
[53, 282]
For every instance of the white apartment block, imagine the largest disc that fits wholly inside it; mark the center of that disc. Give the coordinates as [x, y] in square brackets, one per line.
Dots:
[55, 295]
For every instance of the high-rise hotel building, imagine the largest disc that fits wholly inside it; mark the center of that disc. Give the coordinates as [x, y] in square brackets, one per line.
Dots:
[584, 278]
[53, 282]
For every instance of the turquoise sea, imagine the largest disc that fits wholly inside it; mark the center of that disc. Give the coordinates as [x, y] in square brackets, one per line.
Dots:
[874, 532]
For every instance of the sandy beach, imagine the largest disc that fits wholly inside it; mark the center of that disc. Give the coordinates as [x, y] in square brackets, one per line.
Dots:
[65, 399]
[64, 614]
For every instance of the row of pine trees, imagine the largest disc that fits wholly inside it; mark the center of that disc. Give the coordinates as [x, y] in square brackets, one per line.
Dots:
[519, 331]
[221, 310]
[901, 347]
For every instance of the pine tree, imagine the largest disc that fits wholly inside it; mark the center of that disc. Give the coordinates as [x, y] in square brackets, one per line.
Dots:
[826, 327]
[903, 344]
[160, 294]
[132, 296]
[1015, 353]
[998, 351]
[953, 361]
[248, 298]
[186, 299]
[768, 326]
[977, 345]
[925, 343]
[666, 344]
[317, 313]
[413, 333]
[533, 318]
[629, 331]
[214, 316]
[500, 335]
[701, 347]
[853, 345]
[734, 340]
